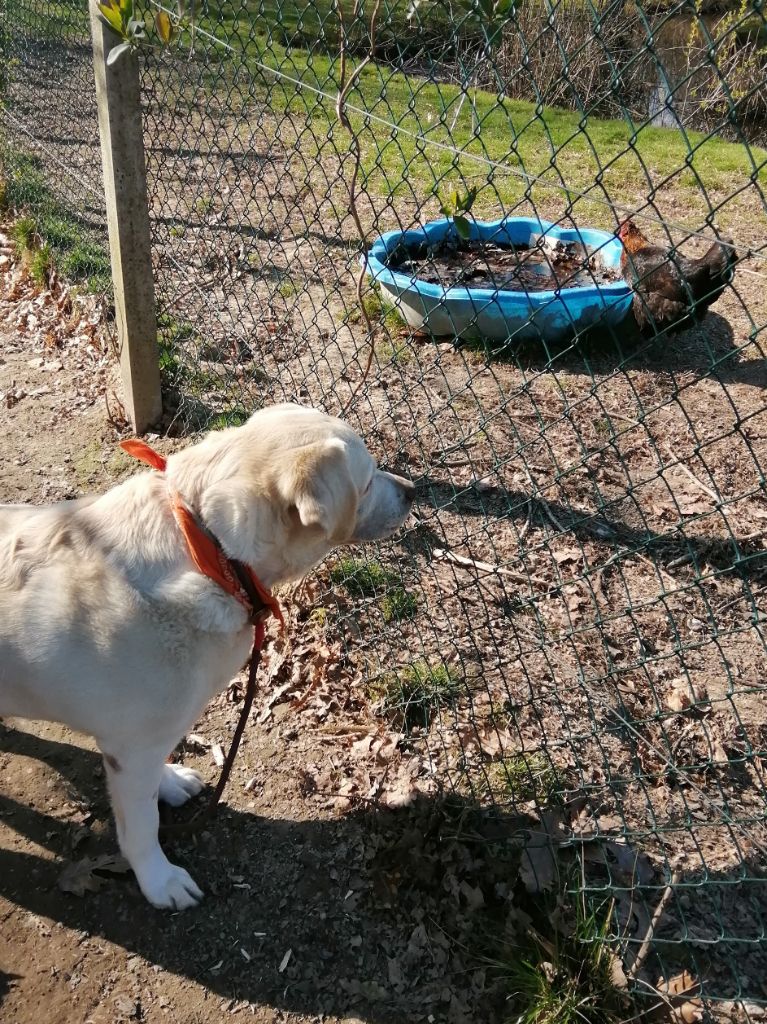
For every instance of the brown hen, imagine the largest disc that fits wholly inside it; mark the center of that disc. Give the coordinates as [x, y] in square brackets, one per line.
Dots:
[670, 290]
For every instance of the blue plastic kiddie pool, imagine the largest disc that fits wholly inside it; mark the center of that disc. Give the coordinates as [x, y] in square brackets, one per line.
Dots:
[501, 314]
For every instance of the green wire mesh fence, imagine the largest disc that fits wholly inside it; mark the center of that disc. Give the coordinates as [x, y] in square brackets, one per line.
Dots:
[574, 617]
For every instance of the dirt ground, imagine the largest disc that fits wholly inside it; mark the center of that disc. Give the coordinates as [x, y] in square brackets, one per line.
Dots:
[307, 916]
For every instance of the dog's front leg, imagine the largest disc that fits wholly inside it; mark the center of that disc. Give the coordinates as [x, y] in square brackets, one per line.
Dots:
[135, 778]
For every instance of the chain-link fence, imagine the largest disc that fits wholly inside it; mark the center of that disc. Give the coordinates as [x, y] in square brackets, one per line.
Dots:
[574, 618]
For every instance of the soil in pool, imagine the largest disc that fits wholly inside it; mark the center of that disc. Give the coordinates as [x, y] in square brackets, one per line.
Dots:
[507, 267]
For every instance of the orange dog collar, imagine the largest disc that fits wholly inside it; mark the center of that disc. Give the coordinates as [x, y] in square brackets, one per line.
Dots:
[233, 576]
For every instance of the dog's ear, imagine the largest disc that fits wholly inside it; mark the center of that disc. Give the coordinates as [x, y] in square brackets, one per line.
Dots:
[321, 489]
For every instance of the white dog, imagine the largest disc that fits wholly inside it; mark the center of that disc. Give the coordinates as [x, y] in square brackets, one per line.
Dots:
[107, 625]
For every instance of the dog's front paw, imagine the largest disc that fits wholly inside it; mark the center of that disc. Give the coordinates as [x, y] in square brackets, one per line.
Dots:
[178, 784]
[169, 887]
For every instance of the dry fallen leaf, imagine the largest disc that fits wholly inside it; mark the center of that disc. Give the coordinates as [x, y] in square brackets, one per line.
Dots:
[285, 961]
[682, 695]
[690, 1012]
[565, 555]
[538, 866]
[80, 876]
[617, 973]
[680, 988]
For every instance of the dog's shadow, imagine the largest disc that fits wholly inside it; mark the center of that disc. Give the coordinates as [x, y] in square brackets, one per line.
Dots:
[383, 911]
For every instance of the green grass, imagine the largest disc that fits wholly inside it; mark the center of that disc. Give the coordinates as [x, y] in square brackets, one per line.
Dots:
[550, 143]
[231, 418]
[47, 234]
[361, 578]
[371, 579]
[381, 311]
[522, 777]
[300, 40]
[398, 352]
[24, 233]
[556, 978]
[398, 604]
[40, 261]
[414, 693]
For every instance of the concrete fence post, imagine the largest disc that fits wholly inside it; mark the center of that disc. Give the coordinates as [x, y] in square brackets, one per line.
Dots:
[122, 155]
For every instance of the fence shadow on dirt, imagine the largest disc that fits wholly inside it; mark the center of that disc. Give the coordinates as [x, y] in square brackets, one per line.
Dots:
[381, 908]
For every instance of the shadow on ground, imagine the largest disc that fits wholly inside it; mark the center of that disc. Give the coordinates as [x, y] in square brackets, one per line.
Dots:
[388, 914]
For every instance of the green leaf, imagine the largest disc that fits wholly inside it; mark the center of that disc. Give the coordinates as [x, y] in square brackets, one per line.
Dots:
[504, 7]
[468, 200]
[116, 54]
[462, 226]
[455, 200]
[111, 15]
[126, 9]
[164, 27]
[446, 211]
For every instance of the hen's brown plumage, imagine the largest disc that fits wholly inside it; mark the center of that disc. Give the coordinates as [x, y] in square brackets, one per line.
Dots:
[670, 290]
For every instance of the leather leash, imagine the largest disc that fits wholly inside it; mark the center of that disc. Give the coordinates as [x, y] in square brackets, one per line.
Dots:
[208, 813]
[237, 579]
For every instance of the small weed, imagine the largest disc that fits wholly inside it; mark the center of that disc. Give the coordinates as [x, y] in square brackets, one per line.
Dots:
[373, 304]
[24, 234]
[379, 311]
[203, 205]
[394, 352]
[173, 331]
[415, 692]
[362, 579]
[231, 418]
[287, 289]
[564, 979]
[40, 264]
[170, 364]
[399, 604]
[171, 334]
[602, 427]
[318, 619]
[177, 231]
[523, 777]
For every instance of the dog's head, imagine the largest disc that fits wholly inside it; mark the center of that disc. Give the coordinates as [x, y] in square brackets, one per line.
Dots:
[284, 489]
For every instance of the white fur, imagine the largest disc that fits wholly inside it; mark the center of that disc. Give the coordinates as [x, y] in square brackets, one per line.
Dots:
[106, 625]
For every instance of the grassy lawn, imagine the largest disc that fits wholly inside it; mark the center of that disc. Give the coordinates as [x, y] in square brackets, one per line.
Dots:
[563, 151]
[561, 147]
